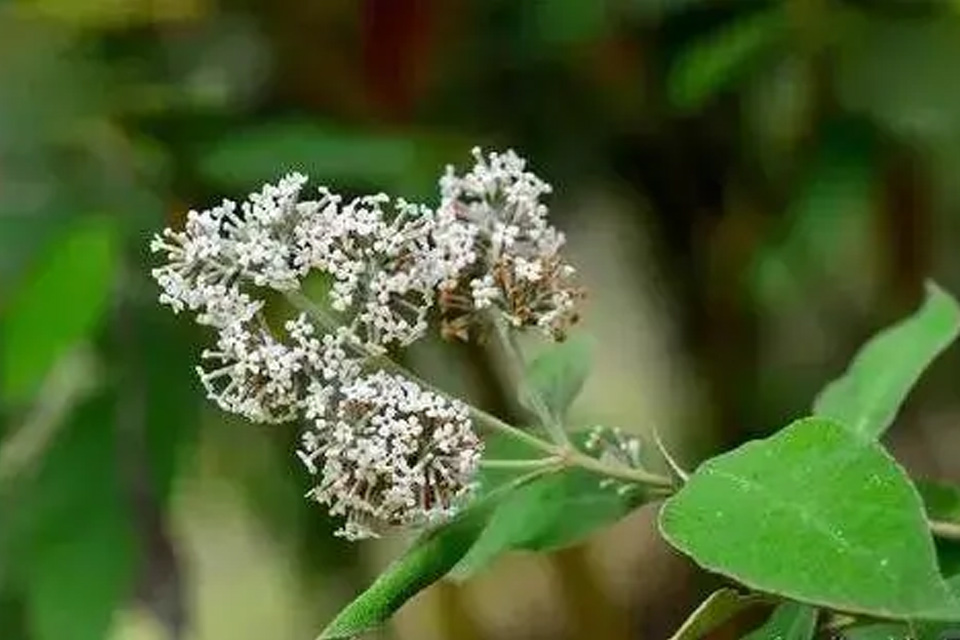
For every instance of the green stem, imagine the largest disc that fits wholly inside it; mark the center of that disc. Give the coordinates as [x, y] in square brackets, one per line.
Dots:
[311, 308]
[485, 419]
[535, 463]
[621, 472]
[945, 530]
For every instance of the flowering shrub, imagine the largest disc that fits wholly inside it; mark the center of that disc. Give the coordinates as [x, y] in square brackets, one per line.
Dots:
[817, 521]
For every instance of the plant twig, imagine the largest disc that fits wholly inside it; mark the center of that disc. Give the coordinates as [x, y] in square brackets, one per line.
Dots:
[671, 461]
[945, 530]
[621, 472]
[535, 463]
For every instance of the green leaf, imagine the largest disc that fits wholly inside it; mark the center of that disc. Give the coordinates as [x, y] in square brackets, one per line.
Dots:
[720, 59]
[67, 537]
[881, 631]
[428, 560]
[327, 153]
[498, 446]
[869, 394]
[718, 609]
[552, 512]
[815, 514]
[789, 621]
[558, 375]
[940, 630]
[820, 235]
[915, 631]
[59, 305]
[76, 584]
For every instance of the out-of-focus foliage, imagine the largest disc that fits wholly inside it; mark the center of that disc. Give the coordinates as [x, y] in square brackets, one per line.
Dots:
[77, 275]
[790, 166]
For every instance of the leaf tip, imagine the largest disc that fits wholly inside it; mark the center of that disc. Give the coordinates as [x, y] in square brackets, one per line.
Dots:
[935, 292]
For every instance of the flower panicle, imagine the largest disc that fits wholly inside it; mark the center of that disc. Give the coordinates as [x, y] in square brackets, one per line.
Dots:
[385, 451]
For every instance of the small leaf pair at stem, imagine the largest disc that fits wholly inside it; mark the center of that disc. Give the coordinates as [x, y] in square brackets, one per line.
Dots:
[819, 512]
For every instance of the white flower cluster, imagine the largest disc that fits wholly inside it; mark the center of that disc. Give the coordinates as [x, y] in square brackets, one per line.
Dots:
[500, 251]
[384, 279]
[386, 451]
[391, 453]
[218, 252]
[381, 264]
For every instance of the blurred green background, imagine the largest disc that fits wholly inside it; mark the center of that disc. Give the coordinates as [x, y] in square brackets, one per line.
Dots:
[750, 189]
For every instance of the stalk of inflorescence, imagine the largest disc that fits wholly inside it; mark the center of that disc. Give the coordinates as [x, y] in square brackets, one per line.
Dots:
[562, 454]
[318, 315]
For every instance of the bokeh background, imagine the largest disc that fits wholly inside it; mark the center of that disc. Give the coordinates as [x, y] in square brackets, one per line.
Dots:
[749, 188]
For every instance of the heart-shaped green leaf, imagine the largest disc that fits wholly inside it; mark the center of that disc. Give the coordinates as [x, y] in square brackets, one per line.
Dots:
[867, 397]
[816, 514]
[789, 621]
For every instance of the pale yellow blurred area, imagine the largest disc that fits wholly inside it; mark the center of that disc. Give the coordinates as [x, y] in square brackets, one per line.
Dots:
[239, 582]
